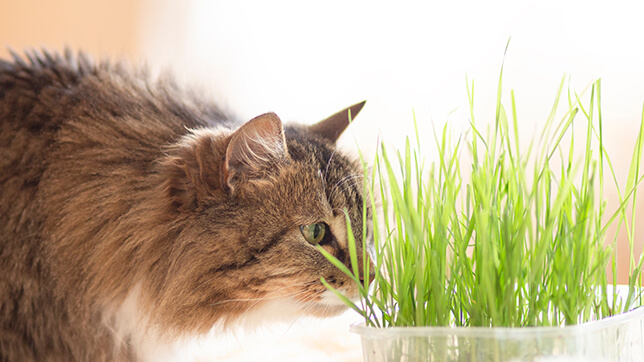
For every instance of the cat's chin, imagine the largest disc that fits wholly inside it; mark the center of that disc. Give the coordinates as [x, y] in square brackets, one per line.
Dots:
[329, 305]
[325, 311]
[289, 309]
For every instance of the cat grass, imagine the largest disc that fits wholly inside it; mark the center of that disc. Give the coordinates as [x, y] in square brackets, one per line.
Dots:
[521, 241]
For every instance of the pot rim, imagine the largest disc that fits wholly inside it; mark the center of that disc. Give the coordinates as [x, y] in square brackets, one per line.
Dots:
[500, 332]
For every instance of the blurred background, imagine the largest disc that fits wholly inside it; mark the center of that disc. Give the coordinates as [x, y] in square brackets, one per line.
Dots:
[307, 60]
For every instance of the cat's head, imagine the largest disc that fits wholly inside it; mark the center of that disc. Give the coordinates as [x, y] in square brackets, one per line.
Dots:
[250, 207]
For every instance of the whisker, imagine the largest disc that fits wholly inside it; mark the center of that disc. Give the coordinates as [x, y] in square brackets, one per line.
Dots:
[294, 294]
[347, 178]
[269, 295]
[256, 300]
[307, 306]
[328, 163]
[342, 181]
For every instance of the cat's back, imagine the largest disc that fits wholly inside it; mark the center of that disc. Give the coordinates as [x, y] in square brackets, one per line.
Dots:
[27, 125]
[35, 101]
[65, 111]
[67, 122]
[46, 93]
[71, 132]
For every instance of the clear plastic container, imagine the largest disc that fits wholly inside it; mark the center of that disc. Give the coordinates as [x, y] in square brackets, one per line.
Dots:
[618, 338]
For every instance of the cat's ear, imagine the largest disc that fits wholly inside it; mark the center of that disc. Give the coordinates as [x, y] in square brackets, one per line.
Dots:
[191, 169]
[253, 149]
[332, 127]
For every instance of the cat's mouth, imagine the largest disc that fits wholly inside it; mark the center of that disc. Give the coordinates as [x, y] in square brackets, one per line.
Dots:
[322, 302]
[332, 303]
[310, 298]
[326, 305]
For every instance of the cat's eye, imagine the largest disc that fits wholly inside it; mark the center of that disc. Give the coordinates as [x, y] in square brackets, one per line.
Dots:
[313, 233]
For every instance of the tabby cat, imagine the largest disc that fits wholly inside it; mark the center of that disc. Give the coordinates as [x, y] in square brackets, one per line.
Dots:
[133, 213]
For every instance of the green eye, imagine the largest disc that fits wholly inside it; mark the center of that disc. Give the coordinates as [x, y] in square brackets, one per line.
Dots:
[313, 233]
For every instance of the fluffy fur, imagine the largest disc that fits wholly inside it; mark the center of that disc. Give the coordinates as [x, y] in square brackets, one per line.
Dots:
[132, 212]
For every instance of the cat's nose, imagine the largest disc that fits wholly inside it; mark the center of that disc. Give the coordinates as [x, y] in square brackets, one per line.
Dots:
[371, 276]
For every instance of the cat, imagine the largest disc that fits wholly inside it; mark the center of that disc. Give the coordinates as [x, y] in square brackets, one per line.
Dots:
[133, 213]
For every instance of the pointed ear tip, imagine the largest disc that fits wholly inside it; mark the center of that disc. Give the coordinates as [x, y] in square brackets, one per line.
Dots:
[358, 106]
[355, 109]
[270, 117]
[274, 118]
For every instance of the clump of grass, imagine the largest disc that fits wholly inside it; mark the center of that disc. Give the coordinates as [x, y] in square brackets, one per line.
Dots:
[521, 243]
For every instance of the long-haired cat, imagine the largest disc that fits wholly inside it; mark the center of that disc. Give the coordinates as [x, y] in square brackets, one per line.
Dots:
[133, 214]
